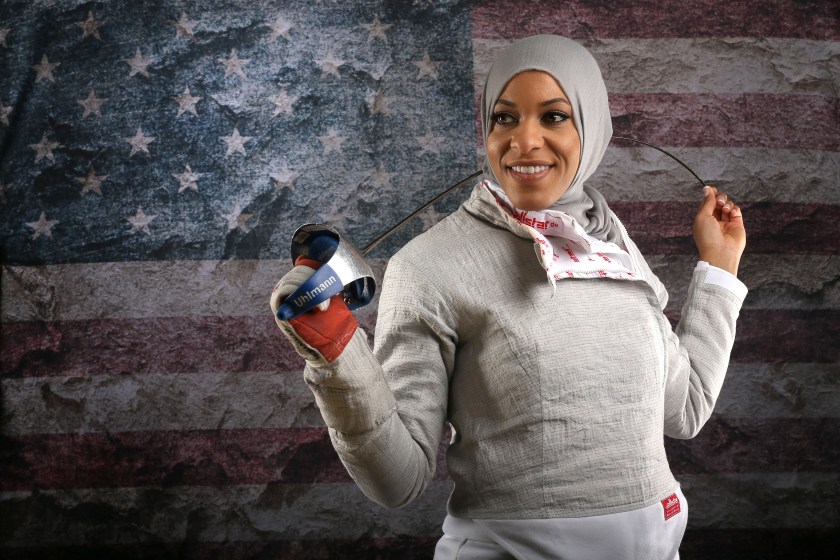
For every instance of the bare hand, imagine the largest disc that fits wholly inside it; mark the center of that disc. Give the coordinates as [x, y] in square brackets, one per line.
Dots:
[719, 231]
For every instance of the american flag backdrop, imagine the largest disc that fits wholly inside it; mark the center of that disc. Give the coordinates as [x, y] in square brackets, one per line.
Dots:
[155, 158]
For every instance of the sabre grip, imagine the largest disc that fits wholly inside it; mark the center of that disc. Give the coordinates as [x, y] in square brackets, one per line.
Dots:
[319, 287]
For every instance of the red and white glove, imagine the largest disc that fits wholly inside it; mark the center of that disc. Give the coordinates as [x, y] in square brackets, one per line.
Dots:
[321, 334]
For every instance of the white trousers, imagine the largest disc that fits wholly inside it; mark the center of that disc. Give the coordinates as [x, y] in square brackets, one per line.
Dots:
[642, 534]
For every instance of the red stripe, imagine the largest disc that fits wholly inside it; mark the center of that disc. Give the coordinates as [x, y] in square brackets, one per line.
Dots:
[664, 228]
[697, 544]
[237, 344]
[715, 120]
[749, 120]
[587, 20]
[304, 456]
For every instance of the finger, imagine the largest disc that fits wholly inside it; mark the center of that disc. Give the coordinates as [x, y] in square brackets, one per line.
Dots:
[721, 199]
[707, 205]
[736, 213]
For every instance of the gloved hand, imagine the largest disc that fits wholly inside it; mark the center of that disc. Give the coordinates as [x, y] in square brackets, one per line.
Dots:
[321, 334]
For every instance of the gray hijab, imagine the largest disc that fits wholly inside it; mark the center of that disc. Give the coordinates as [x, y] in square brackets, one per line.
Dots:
[578, 74]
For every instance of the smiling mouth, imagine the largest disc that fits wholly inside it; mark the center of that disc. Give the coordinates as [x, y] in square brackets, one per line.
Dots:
[529, 169]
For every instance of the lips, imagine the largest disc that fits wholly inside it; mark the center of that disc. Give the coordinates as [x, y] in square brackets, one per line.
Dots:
[529, 171]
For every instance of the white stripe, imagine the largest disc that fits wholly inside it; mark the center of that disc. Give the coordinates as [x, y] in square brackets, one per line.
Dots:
[723, 66]
[641, 173]
[340, 511]
[240, 288]
[209, 401]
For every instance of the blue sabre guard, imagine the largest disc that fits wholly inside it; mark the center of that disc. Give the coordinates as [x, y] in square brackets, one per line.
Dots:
[344, 271]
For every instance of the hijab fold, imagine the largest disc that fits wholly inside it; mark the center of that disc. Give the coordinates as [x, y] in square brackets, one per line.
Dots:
[577, 72]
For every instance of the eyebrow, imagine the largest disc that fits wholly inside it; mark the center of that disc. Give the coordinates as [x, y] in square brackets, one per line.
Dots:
[543, 104]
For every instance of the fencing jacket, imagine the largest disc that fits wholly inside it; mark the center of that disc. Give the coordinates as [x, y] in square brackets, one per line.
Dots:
[557, 400]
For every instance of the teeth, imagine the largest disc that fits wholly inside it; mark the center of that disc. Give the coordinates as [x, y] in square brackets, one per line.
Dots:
[529, 169]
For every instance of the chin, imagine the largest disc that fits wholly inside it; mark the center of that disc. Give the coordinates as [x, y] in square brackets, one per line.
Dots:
[533, 201]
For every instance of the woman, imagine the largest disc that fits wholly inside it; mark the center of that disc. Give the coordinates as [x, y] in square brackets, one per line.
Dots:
[555, 368]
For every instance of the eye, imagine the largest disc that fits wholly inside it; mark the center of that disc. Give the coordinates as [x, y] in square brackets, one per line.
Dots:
[503, 119]
[555, 117]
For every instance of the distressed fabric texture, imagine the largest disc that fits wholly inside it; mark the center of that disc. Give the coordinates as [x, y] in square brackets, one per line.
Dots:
[557, 404]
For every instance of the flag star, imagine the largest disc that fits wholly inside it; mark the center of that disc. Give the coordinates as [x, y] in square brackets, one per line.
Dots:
[184, 26]
[233, 64]
[236, 219]
[330, 65]
[42, 227]
[139, 65]
[381, 178]
[90, 27]
[429, 143]
[140, 222]
[188, 179]
[91, 182]
[92, 104]
[284, 178]
[380, 104]
[283, 102]
[3, 33]
[430, 216]
[139, 142]
[377, 29]
[280, 27]
[186, 102]
[4, 113]
[332, 141]
[44, 148]
[427, 66]
[336, 216]
[235, 142]
[45, 69]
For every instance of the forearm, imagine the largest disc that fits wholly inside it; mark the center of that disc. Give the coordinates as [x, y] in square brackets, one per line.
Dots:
[699, 350]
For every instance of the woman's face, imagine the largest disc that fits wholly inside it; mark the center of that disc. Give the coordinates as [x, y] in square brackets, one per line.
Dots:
[533, 145]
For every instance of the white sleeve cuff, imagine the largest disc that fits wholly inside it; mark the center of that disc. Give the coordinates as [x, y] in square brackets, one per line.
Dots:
[724, 279]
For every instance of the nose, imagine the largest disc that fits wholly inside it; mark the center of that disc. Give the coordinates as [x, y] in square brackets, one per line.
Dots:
[527, 136]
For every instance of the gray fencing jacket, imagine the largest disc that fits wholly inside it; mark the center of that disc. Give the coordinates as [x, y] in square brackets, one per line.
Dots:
[558, 400]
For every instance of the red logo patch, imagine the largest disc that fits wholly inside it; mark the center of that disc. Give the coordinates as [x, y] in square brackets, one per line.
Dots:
[671, 505]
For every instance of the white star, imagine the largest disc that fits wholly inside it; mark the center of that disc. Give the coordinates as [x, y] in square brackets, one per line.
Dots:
[235, 142]
[236, 219]
[332, 141]
[184, 26]
[44, 148]
[188, 179]
[330, 65]
[377, 29]
[3, 33]
[4, 113]
[45, 69]
[429, 143]
[381, 178]
[427, 66]
[140, 222]
[233, 64]
[139, 65]
[90, 27]
[430, 216]
[336, 216]
[186, 102]
[92, 104]
[283, 103]
[91, 182]
[380, 104]
[284, 178]
[280, 28]
[42, 227]
[139, 142]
